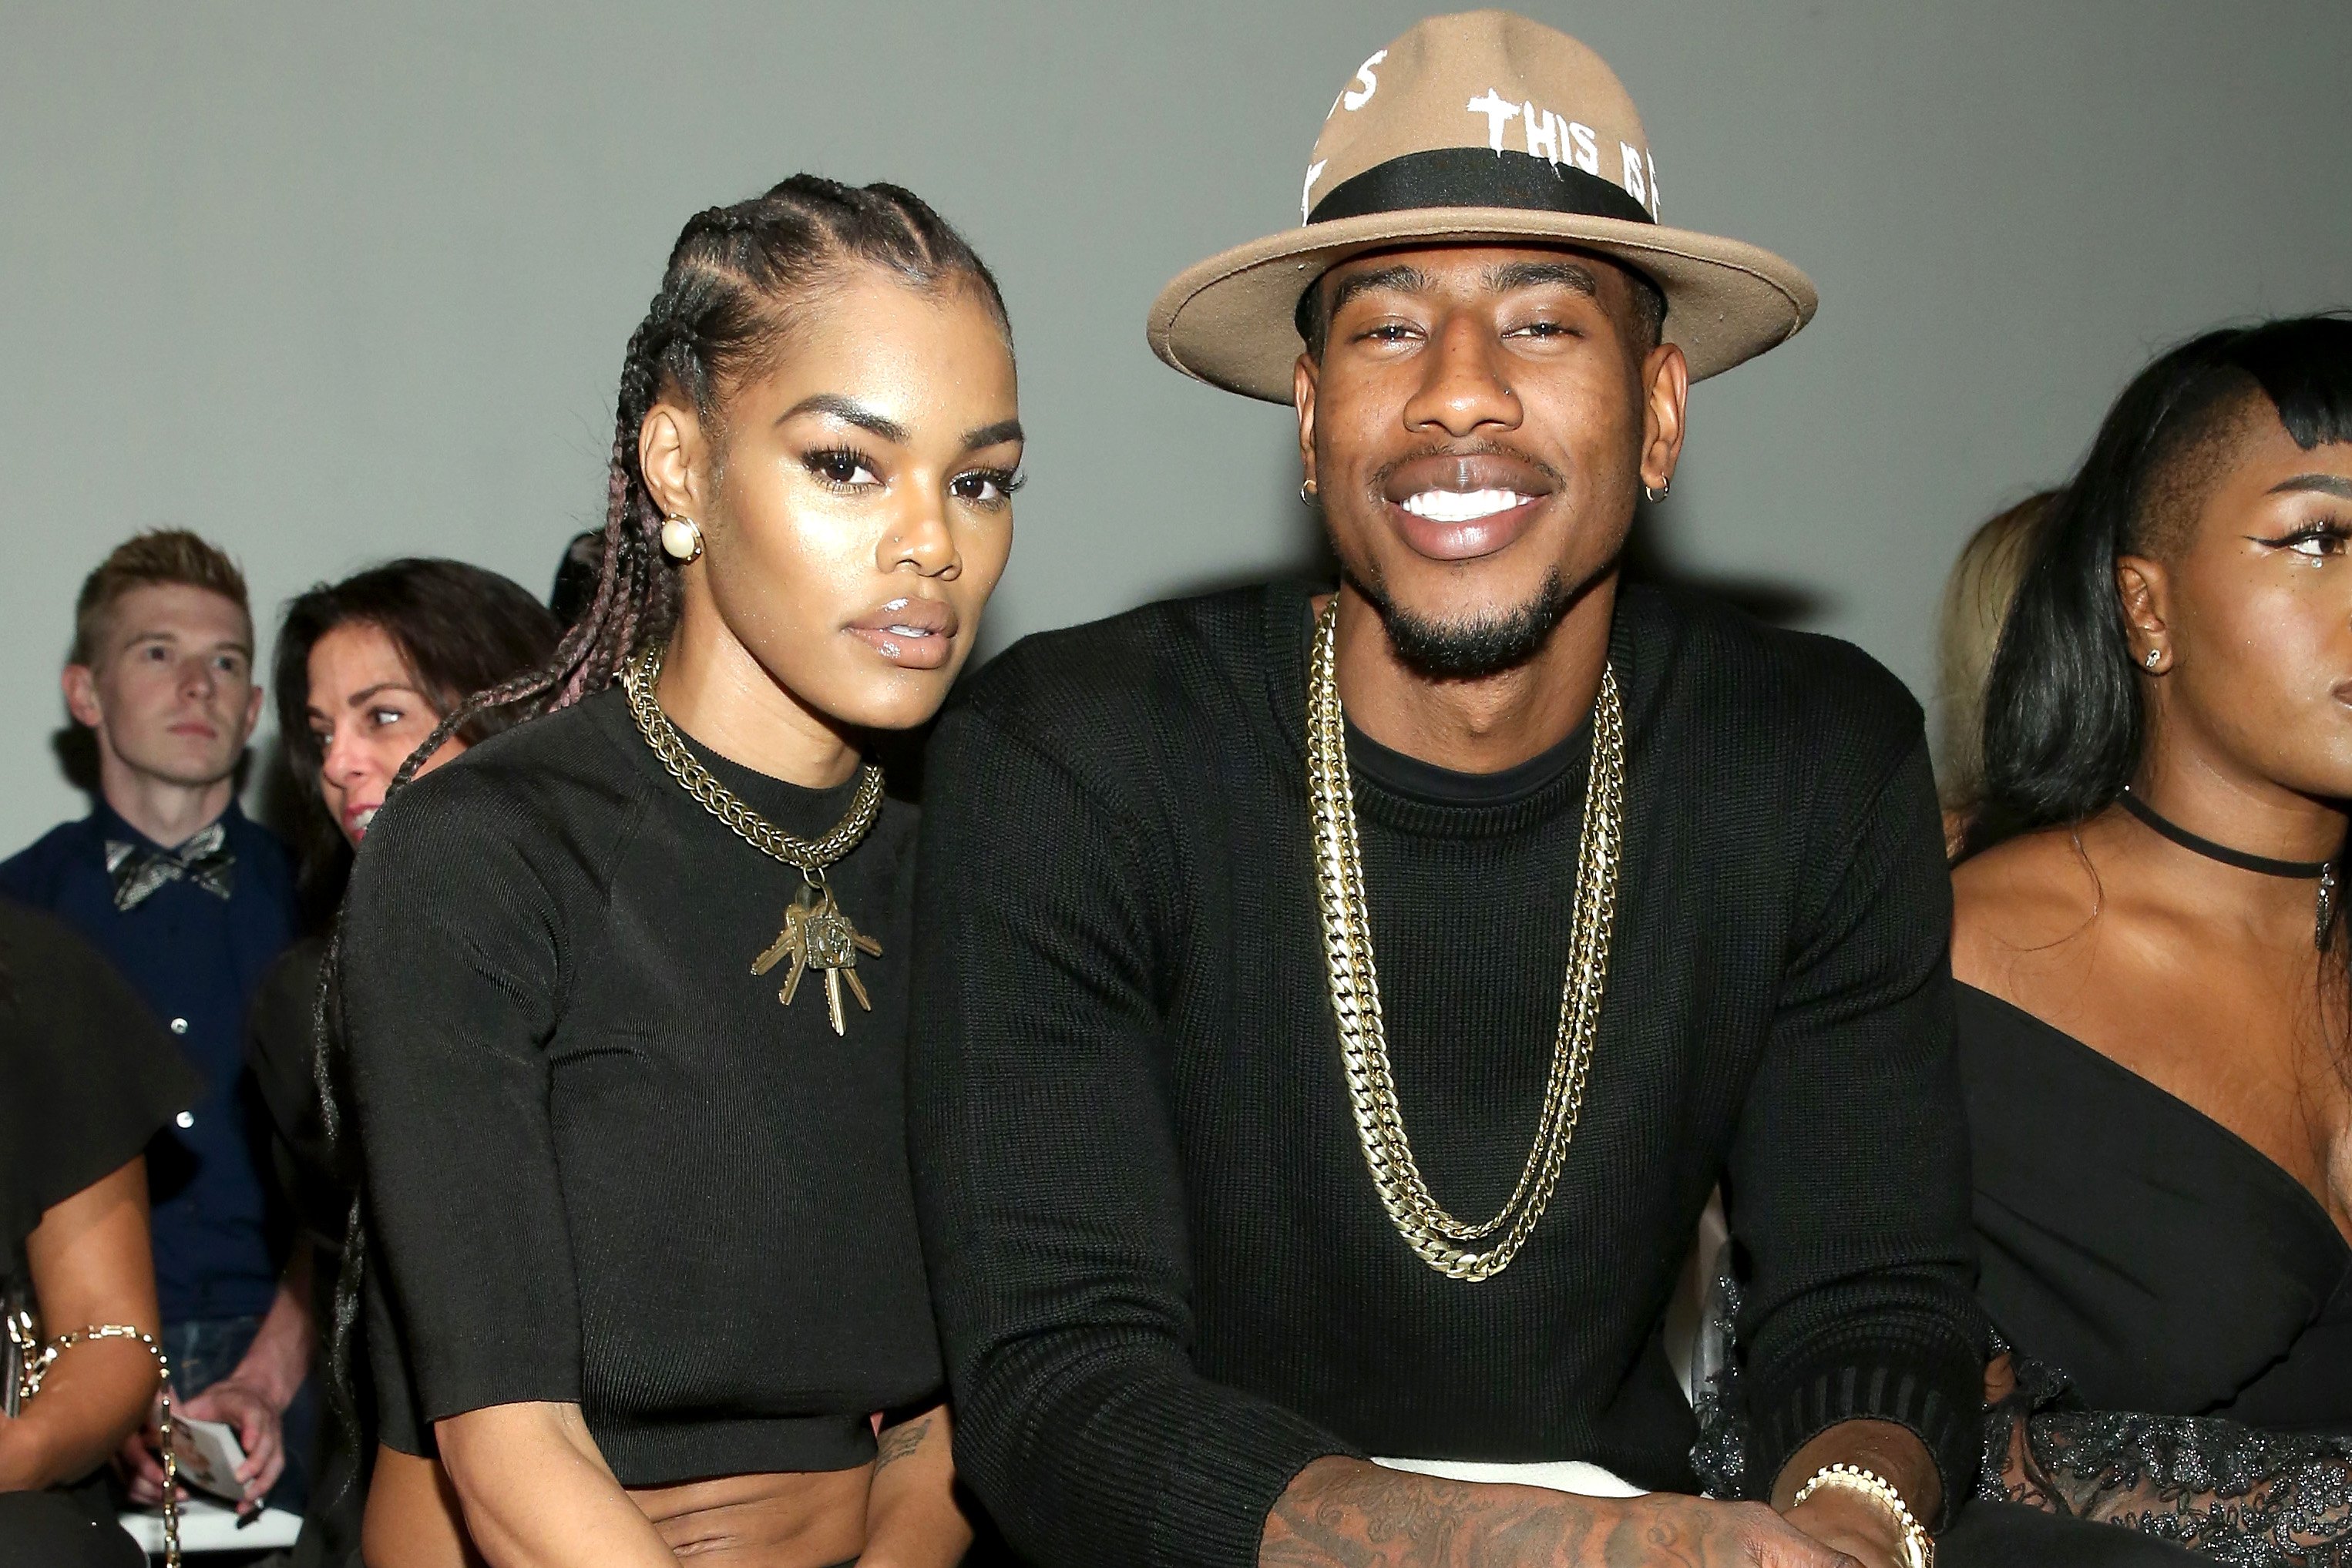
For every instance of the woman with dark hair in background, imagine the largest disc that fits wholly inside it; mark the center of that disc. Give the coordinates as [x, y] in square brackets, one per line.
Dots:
[366, 670]
[625, 989]
[2155, 1018]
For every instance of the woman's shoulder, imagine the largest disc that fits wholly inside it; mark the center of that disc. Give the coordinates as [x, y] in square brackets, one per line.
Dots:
[2020, 907]
[531, 821]
[91, 1075]
[547, 777]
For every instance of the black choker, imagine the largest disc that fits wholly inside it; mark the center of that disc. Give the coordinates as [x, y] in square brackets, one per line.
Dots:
[2320, 872]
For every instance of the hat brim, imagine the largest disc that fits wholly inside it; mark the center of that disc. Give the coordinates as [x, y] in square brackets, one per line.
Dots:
[1229, 320]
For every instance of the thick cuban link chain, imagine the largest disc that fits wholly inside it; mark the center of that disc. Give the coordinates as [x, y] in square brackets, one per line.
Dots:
[1442, 1239]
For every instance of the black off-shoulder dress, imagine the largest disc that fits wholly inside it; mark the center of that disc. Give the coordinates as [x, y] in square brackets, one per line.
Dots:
[2184, 1305]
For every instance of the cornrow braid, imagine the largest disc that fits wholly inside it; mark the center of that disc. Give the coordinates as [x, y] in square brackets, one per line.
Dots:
[723, 311]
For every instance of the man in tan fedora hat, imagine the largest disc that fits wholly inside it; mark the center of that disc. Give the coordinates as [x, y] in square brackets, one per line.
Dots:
[1341, 1006]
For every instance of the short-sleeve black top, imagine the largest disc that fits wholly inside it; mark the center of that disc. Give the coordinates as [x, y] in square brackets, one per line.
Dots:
[87, 1075]
[605, 1165]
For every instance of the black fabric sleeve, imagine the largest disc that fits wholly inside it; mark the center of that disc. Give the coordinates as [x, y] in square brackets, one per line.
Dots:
[316, 1177]
[452, 966]
[87, 1075]
[1848, 1181]
[1048, 1186]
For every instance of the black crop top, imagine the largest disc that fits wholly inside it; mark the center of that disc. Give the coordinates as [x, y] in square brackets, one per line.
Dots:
[606, 1166]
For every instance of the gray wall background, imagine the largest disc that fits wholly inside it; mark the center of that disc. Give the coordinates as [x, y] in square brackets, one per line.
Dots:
[334, 283]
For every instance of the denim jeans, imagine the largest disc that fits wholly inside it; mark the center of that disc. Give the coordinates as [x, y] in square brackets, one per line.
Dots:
[205, 1349]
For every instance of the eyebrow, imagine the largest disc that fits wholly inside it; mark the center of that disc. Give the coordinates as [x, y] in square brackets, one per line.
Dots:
[377, 690]
[996, 434]
[1401, 277]
[849, 411]
[164, 634]
[2324, 483]
[1537, 273]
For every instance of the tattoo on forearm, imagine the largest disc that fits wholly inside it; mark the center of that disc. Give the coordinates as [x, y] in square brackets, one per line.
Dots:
[898, 1442]
[1403, 1521]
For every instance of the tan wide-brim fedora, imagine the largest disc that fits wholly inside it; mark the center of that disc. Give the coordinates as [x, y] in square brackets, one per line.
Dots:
[1478, 127]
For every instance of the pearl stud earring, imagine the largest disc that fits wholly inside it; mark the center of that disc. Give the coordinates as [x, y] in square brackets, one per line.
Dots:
[681, 540]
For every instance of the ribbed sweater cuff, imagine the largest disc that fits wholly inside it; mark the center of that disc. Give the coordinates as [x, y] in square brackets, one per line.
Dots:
[1936, 1391]
[1225, 1480]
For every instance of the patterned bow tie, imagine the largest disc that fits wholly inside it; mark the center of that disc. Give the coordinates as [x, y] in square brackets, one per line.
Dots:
[137, 872]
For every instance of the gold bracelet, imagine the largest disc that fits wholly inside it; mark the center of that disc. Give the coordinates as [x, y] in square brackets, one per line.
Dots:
[38, 1358]
[1918, 1548]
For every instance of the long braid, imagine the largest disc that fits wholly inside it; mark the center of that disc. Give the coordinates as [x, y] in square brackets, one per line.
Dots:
[726, 295]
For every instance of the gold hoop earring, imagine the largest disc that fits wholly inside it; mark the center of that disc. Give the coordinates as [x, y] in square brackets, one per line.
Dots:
[680, 539]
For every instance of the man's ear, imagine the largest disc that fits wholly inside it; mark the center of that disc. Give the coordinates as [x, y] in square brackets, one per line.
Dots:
[1305, 379]
[252, 714]
[674, 455]
[1665, 400]
[2146, 591]
[80, 683]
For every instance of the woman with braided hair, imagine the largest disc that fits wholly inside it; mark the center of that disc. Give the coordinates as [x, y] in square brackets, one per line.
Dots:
[622, 991]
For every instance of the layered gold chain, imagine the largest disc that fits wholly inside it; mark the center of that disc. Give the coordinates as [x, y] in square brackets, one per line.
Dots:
[639, 676]
[1435, 1234]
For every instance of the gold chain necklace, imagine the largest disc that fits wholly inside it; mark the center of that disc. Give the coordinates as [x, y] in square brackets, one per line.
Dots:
[1436, 1234]
[817, 935]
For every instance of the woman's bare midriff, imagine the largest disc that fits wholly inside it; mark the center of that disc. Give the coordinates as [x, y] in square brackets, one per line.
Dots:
[804, 1519]
[811, 1518]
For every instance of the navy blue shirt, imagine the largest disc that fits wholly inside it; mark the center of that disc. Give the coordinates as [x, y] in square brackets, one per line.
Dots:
[194, 957]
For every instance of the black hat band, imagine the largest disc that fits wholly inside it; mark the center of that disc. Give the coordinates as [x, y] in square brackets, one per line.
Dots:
[1476, 177]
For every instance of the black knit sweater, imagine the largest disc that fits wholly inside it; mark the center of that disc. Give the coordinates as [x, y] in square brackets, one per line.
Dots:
[1164, 1279]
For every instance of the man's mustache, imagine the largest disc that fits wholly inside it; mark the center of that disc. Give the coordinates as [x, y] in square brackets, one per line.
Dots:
[1485, 447]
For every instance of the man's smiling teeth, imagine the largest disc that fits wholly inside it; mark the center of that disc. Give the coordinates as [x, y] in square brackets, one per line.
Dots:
[1462, 507]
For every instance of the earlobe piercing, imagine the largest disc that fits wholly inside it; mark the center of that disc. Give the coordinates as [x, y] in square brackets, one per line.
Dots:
[1653, 494]
[2155, 657]
[681, 540]
[1306, 491]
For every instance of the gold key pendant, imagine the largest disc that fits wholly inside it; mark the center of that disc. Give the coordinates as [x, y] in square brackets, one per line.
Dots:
[818, 935]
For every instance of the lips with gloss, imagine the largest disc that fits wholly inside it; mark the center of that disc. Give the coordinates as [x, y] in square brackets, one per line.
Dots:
[913, 633]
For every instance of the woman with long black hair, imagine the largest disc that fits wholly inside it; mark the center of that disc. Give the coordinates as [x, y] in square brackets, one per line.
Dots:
[623, 990]
[2156, 1023]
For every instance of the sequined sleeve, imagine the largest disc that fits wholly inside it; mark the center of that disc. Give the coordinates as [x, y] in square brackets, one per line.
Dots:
[2240, 1495]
